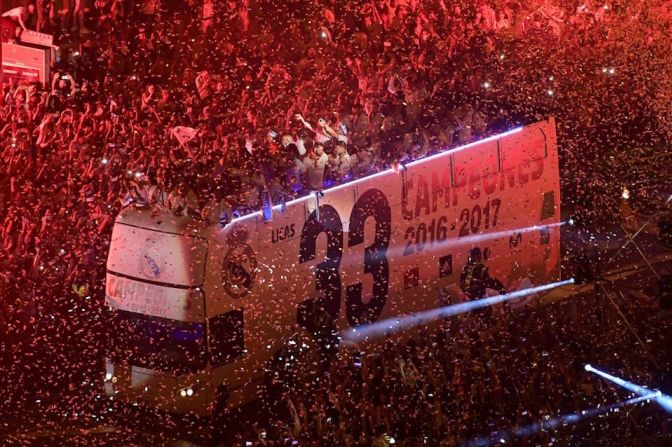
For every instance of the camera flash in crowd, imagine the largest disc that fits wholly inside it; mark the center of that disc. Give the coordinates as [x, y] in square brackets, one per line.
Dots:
[323, 34]
[551, 78]
[550, 92]
[76, 54]
[104, 161]
[486, 85]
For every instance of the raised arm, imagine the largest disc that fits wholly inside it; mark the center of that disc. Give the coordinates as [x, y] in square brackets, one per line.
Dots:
[299, 117]
[54, 80]
[73, 86]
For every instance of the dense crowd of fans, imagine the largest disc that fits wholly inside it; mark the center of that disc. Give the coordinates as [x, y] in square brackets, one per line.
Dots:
[469, 382]
[204, 107]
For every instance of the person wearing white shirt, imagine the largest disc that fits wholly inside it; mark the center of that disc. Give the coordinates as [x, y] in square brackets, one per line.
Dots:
[313, 167]
[342, 163]
[20, 14]
[300, 143]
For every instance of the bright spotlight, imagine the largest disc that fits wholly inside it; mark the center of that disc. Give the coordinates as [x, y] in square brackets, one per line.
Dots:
[625, 194]
[396, 324]
[663, 400]
[588, 367]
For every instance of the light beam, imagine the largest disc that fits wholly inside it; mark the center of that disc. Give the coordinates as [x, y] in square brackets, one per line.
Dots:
[502, 437]
[663, 400]
[469, 241]
[396, 324]
[478, 238]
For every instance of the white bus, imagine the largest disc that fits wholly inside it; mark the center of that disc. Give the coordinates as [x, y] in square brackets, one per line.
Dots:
[199, 306]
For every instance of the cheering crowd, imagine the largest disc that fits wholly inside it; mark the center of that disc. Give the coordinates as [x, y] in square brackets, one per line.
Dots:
[205, 108]
[470, 384]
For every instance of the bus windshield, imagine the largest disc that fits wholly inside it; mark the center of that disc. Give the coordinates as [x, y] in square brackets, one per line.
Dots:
[160, 344]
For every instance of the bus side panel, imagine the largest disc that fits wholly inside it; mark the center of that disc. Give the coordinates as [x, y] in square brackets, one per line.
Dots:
[499, 195]
[502, 197]
[268, 253]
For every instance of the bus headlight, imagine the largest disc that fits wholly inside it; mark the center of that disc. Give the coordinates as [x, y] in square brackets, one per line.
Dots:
[187, 392]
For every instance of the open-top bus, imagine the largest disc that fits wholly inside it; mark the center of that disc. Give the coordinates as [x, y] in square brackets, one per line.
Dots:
[199, 306]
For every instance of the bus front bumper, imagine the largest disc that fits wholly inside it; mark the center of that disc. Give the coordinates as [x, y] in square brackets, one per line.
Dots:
[151, 389]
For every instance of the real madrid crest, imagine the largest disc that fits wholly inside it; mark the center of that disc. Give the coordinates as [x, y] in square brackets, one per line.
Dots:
[239, 268]
[151, 262]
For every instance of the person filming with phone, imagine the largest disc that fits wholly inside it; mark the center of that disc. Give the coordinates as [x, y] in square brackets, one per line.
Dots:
[63, 89]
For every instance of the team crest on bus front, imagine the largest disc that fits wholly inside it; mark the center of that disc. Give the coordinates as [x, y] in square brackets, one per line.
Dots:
[239, 268]
[151, 262]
